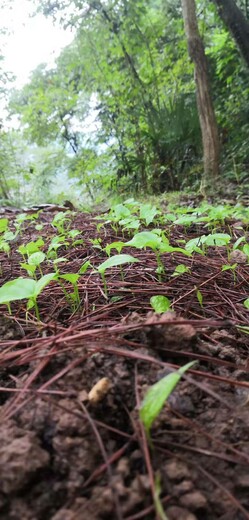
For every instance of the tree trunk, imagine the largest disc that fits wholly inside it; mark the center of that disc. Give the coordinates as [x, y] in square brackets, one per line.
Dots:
[237, 24]
[209, 129]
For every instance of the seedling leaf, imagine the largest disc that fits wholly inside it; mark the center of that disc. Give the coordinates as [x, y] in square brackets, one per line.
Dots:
[246, 303]
[3, 224]
[160, 303]
[36, 258]
[116, 260]
[70, 277]
[18, 289]
[158, 394]
[145, 239]
[40, 284]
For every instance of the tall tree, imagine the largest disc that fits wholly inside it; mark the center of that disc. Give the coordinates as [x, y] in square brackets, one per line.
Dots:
[237, 24]
[209, 128]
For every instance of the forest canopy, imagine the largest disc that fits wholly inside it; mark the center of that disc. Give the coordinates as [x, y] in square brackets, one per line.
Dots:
[121, 109]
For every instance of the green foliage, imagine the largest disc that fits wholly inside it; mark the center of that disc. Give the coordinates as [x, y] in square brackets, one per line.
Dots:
[116, 260]
[246, 303]
[160, 303]
[180, 269]
[112, 262]
[25, 289]
[158, 394]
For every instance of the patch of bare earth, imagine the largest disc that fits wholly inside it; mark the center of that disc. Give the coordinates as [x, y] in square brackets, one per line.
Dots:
[63, 457]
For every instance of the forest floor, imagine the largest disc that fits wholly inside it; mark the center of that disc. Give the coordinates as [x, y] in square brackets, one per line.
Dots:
[65, 457]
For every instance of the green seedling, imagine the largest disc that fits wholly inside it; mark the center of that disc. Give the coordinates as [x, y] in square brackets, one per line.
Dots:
[56, 242]
[246, 250]
[9, 236]
[130, 223]
[169, 217]
[158, 244]
[4, 225]
[30, 248]
[21, 218]
[6, 236]
[39, 227]
[187, 220]
[243, 328]
[4, 246]
[246, 303]
[25, 289]
[114, 245]
[199, 296]
[229, 267]
[119, 212]
[73, 233]
[196, 245]
[180, 269]
[199, 244]
[160, 304]
[112, 262]
[96, 242]
[73, 297]
[152, 240]
[84, 267]
[238, 242]
[147, 213]
[61, 221]
[218, 214]
[158, 394]
[217, 239]
[34, 262]
[60, 260]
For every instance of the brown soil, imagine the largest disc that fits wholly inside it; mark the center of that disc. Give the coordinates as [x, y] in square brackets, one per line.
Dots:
[63, 457]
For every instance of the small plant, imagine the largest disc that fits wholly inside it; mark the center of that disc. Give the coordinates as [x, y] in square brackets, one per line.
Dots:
[229, 267]
[158, 244]
[246, 303]
[96, 242]
[4, 225]
[147, 213]
[30, 248]
[114, 261]
[114, 245]
[199, 244]
[84, 267]
[25, 289]
[61, 221]
[73, 297]
[73, 233]
[34, 261]
[55, 244]
[160, 304]
[180, 269]
[246, 250]
[199, 296]
[158, 394]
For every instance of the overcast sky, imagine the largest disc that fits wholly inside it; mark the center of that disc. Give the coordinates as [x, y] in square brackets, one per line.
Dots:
[31, 40]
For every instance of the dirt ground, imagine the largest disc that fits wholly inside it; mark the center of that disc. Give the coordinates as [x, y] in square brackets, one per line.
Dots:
[65, 457]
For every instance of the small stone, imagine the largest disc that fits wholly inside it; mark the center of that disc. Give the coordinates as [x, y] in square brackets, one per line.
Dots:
[194, 500]
[238, 256]
[176, 470]
[19, 460]
[183, 487]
